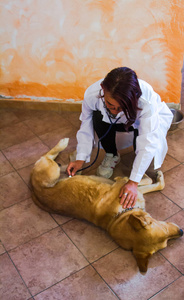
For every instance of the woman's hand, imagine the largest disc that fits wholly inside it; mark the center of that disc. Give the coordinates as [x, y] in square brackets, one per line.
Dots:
[74, 166]
[128, 194]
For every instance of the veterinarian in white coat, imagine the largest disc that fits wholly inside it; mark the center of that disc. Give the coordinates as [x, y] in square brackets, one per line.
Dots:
[132, 105]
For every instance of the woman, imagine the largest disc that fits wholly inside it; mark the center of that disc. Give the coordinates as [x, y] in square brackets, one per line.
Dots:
[132, 105]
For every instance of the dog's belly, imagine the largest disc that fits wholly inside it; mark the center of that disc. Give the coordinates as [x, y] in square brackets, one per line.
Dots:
[92, 201]
[83, 197]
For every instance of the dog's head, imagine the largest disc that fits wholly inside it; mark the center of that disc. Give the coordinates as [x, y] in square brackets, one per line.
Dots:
[144, 236]
[150, 236]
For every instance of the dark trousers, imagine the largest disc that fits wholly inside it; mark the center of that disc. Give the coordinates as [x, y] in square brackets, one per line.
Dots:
[109, 141]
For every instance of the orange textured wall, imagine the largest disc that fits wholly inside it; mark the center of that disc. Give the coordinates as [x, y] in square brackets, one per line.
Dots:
[56, 49]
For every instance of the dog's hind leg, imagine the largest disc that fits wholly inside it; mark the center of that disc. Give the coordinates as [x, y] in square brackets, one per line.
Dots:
[53, 153]
[146, 180]
[46, 171]
[159, 185]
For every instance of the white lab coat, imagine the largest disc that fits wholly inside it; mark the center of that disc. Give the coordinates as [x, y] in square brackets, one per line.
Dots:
[152, 122]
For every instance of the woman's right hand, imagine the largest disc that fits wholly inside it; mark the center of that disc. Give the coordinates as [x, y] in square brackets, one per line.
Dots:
[74, 166]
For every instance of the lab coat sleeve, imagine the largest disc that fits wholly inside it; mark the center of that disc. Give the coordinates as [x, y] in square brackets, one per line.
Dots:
[85, 135]
[146, 144]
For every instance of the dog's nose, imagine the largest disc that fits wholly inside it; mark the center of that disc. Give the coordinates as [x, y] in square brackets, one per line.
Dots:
[181, 232]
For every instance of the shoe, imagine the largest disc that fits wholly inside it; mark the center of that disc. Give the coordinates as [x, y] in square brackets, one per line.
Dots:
[108, 164]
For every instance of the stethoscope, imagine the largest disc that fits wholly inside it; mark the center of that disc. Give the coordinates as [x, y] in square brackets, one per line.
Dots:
[110, 116]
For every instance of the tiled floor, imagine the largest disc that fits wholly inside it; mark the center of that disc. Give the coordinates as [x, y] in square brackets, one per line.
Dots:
[46, 256]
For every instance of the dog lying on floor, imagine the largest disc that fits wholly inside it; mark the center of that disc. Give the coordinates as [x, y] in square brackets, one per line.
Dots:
[96, 200]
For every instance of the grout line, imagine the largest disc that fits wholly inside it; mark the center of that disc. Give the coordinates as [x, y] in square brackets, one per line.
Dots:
[32, 239]
[19, 274]
[164, 288]
[37, 135]
[22, 122]
[51, 214]
[9, 163]
[106, 283]
[75, 245]
[171, 265]
[180, 163]
[162, 192]
[81, 250]
[61, 280]
[16, 203]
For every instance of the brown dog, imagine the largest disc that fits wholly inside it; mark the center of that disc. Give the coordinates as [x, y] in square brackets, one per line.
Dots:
[96, 200]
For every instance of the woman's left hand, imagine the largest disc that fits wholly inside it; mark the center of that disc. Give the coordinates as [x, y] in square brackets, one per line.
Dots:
[128, 194]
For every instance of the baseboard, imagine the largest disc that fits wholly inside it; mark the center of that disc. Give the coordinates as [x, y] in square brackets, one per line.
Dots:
[40, 105]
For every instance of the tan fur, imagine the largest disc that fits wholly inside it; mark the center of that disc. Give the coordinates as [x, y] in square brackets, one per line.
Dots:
[96, 200]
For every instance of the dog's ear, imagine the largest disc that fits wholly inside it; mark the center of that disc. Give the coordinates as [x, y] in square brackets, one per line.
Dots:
[142, 260]
[138, 221]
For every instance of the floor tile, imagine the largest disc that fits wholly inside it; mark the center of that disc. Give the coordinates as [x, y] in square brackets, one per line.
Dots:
[92, 241]
[7, 118]
[120, 272]
[73, 118]
[26, 153]
[11, 192]
[47, 260]
[169, 163]
[174, 187]
[25, 174]
[12, 286]
[53, 137]
[128, 159]
[174, 291]
[23, 222]
[14, 134]
[46, 123]
[2, 249]
[174, 251]
[122, 170]
[84, 285]
[175, 145]
[159, 206]
[5, 166]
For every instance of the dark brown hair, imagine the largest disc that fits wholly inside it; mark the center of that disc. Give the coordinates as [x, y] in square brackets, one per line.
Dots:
[123, 85]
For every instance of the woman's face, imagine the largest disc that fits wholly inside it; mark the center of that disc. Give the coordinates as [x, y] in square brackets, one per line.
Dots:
[112, 105]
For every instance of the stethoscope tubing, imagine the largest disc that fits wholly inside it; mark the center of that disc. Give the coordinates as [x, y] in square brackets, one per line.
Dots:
[110, 126]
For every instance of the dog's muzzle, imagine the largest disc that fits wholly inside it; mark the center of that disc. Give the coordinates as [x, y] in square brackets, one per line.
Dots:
[181, 232]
